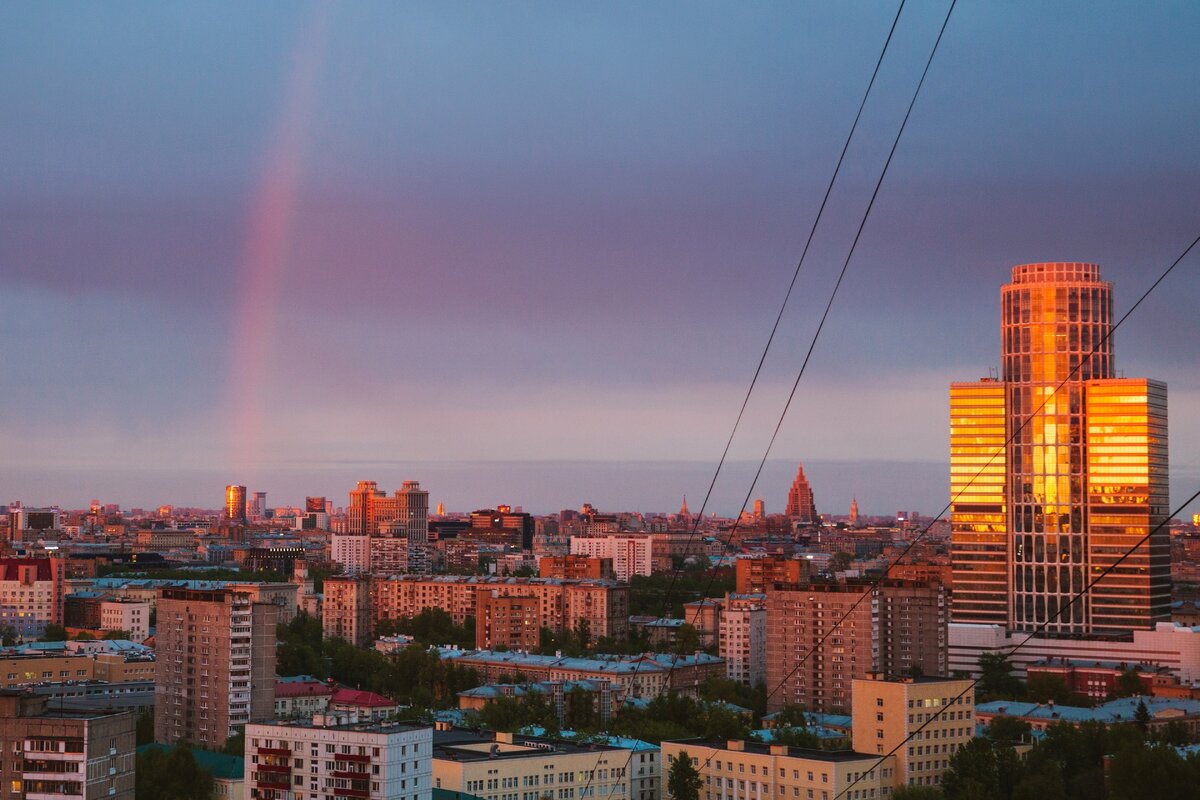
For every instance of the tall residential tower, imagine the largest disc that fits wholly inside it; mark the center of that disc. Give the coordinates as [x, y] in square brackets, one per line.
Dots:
[1057, 468]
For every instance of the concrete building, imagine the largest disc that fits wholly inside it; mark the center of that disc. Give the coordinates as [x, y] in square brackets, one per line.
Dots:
[51, 753]
[506, 621]
[887, 710]
[346, 610]
[575, 567]
[506, 766]
[352, 551]
[369, 508]
[646, 675]
[216, 665]
[600, 606]
[1175, 647]
[31, 594]
[743, 639]
[1058, 468]
[336, 755]
[130, 616]
[631, 554]
[822, 636]
[757, 575]
[746, 770]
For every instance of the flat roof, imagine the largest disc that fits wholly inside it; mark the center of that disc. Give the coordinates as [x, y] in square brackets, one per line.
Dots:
[762, 748]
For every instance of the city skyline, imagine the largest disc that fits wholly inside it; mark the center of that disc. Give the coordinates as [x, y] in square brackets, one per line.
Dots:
[293, 268]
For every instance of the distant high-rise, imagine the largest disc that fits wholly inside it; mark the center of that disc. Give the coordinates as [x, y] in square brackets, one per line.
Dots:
[258, 506]
[800, 505]
[409, 506]
[760, 509]
[1083, 479]
[853, 510]
[235, 503]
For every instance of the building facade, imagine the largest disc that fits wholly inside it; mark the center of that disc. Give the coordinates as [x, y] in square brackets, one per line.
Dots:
[822, 636]
[800, 504]
[631, 554]
[336, 755]
[743, 640]
[32, 592]
[937, 713]
[215, 665]
[742, 770]
[1058, 468]
[52, 753]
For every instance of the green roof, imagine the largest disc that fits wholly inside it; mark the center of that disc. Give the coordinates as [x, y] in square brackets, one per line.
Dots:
[448, 794]
[220, 765]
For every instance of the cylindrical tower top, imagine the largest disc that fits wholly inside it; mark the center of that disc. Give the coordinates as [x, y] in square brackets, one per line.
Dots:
[1056, 272]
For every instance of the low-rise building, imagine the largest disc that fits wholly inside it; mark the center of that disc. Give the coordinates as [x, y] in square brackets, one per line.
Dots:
[937, 713]
[506, 766]
[336, 755]
[740, 770]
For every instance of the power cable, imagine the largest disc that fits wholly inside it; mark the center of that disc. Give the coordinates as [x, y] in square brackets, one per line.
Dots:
[1011, 438]
[1041, 627]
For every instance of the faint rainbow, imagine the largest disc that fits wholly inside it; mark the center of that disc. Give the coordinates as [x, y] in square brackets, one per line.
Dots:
[268, 239]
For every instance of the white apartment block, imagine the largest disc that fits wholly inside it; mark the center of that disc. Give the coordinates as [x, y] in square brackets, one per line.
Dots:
[743, 638]
[130, 616]
[336, 756]
[352, 551]
[631, 555]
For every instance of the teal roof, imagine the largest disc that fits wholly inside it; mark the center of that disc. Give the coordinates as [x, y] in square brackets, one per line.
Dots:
[220, 765]
[1120, 710]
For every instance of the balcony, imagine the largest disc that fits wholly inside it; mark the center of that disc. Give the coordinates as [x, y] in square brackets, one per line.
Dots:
[352, 758]
[352, 775]
[275, 768]
[275, 751]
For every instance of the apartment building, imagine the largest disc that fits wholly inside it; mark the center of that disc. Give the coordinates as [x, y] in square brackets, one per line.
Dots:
[601, 606]
[757, 575]
[506, 766]
[743, 638]
[888, 710]
[338, 756]
[346, 610]
[631, 554]
[51, 753]
[739, 770]
[822, 636]
[31, 594]
[216, 665]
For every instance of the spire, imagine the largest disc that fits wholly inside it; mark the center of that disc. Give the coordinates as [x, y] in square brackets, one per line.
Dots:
[800, 504]
[683, 510]
[853, 510]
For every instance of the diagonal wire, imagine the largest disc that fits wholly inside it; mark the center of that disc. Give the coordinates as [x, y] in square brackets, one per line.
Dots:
[1016, 432]
[1041, 627]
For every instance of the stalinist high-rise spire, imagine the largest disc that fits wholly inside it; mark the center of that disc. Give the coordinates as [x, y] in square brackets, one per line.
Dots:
[800, 505]
[683, 510]
[854, 511]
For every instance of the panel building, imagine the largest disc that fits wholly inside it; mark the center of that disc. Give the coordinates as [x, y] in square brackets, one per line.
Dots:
[55, 754]
[216, 664]
[1057, 468]
[822, 636]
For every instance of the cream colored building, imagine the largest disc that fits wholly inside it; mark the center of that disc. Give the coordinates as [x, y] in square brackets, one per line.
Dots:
[505, 766]
[741, 770]
[888, 710]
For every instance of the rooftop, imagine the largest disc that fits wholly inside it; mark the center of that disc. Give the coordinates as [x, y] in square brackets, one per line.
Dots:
[762, 748]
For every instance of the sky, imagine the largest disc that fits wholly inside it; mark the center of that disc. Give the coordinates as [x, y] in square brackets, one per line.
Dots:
[530, 253]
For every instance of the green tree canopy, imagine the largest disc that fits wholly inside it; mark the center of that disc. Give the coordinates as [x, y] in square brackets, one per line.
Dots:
[683, 781]
[171, 775]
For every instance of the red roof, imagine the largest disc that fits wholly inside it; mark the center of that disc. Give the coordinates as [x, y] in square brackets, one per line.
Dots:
[302, 689]
[10, 568]
[355, 697]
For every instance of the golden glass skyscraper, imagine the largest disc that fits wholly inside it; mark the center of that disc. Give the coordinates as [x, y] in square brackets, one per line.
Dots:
[1052, 483]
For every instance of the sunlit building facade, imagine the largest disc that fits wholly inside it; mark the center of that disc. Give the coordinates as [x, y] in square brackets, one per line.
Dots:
[235, 503]
[1058, 468]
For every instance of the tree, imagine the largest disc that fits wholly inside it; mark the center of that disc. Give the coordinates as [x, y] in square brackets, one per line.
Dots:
[683, 781]
[235, 745]
[1043, 688]
[996, 680]
[1128, 684]
[8, 636]
[1044, 783]
[54, 633]
[982, 769]
[841, 561]
[1142, 715]
[1008, 729]
[115, 635]
[687, 639]
[915, 792]
[1137, 772]
[171, 775]
[145, 726]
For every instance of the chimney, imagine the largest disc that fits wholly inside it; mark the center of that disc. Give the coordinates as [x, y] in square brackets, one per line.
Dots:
[736, 745]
